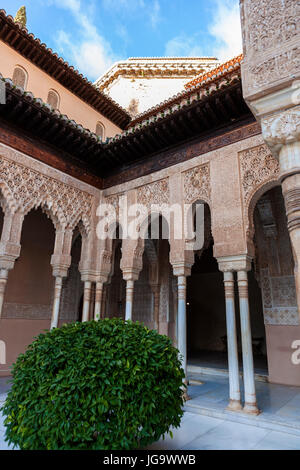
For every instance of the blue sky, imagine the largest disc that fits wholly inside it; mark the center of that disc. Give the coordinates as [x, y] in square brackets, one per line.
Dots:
[93, 34]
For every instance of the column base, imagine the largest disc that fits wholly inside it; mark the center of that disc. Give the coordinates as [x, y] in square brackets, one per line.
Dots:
[251, 409]
[234, 405]
[186, 396]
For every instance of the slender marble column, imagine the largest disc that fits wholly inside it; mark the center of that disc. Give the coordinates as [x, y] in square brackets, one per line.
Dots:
[233, 360]
[98, 301]
[3, 282]
[182, 346]
[248, 366]
[56, 303]
[86, 300]
[129, 299]
[156, 295]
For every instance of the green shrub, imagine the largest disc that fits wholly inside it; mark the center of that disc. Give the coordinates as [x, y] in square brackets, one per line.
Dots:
[97, 385]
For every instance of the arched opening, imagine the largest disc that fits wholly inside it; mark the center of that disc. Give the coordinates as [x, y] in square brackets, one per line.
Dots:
[206, 315]
[20, 77]
[274, 273]
[29, 292]
[114, 294]
[72, 291]
[53, 99]
[154, 301]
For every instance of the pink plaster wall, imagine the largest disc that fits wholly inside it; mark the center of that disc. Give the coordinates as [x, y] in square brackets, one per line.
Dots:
[39, 83]
[17, 335]
[279, 341]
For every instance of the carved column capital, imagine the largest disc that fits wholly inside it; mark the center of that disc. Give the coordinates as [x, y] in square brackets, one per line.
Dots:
[235, 263]
[182, 268]
[60, 265]
[281, 128]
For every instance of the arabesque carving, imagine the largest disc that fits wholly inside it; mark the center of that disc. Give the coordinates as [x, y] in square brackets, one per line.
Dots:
[197, 184]
[25, 189]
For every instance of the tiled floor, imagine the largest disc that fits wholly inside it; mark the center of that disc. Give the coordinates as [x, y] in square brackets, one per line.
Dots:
[206, 433]
[280, 404]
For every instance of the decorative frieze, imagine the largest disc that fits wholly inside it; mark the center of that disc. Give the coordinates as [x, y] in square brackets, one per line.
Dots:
[24, 189]
[258, 166]
[154, 193]
[197, 184]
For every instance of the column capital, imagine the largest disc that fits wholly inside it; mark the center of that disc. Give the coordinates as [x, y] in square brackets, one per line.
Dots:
[282, 128]
[182, 269]
[130, 274]
[235, 263]
[88, 275]
[60, 265]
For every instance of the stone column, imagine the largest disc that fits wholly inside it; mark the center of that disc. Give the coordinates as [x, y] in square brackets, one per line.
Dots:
[3, 282]
[250, 405]
[56, 302]
[86, 300]
[156, 298]
[60, 262]
[291, 193]
[129, 299]
[233, 359]
[10, 248]
[98, 301]
[182, 343]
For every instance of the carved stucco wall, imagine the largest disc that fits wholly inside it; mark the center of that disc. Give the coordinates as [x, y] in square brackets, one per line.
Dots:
[259, 171]
[271, 30]
[24, 188]
[197, 184]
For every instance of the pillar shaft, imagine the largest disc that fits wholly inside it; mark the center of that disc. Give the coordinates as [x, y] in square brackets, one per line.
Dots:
[156, 295]
[248, 366]
[233, 360]
[3, 282]
[86, 301]
[182, 345]
[98, 301]
[129, 299]
[56, 302]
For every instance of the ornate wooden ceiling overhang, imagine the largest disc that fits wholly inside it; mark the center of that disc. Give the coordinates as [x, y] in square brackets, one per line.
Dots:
[201, 119]
[16, 36]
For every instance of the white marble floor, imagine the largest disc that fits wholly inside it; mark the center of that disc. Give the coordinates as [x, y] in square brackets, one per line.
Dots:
[200, 432]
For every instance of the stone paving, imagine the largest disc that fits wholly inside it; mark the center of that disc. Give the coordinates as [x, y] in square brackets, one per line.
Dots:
[206, 426]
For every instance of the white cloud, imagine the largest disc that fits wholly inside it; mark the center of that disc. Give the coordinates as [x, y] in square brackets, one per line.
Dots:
[225, 32]
[149, 9]
[183, 46]
[226, 29]
[91, 54]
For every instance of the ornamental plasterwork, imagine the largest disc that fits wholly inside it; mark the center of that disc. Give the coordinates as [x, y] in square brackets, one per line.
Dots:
[279, 299]
[197, 184]
[257, 166]
[282, 128]
[25, 189]
[154, 193]
[270, 23]
[270, 70]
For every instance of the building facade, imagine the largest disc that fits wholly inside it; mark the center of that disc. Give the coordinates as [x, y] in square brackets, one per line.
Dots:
[229, 140]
